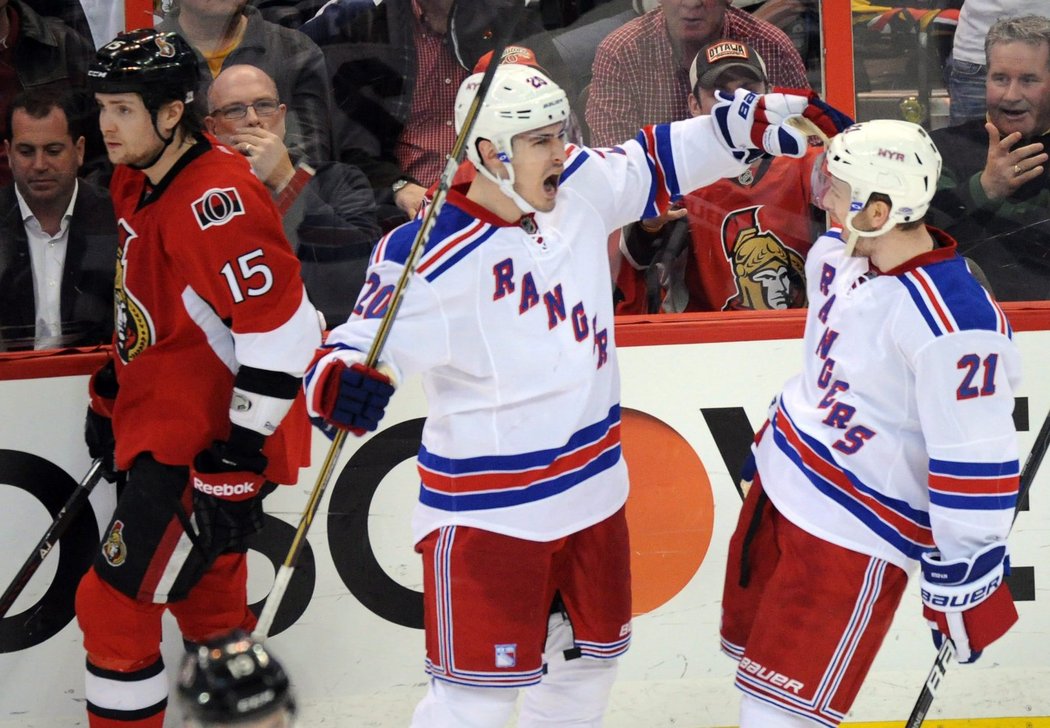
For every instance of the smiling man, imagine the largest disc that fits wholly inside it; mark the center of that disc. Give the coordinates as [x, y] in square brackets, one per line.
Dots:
[58, 238]
[995, 190]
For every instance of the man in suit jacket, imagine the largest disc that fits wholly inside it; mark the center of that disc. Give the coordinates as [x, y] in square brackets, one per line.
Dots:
[58, 235]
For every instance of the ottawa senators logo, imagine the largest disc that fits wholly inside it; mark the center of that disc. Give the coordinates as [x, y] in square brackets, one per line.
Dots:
[217, 207]
[114, 549]
[133, 324]
[769, 274]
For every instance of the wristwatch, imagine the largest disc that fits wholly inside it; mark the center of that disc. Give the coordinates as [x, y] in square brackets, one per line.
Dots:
[400, 183]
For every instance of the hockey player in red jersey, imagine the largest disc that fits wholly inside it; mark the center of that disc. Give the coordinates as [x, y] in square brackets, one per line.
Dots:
[201, 398]
[893, 451]
[508, 319]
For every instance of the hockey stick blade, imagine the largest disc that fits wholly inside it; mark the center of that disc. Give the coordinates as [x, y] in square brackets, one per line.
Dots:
[51, 537]
[947, 651]
[287, 569]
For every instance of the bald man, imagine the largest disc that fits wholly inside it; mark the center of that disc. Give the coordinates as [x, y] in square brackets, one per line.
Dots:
[329, 208]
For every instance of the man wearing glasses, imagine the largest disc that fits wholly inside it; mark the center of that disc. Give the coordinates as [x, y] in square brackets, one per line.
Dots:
[328, 207]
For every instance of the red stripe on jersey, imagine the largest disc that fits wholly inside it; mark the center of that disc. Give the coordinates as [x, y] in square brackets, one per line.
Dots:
[509, 480]
[834, 475]
[934, 301]
[435, 257]
[662, 199]
[975, 486]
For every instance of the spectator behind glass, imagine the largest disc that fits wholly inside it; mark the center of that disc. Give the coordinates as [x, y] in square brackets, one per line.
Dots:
[329, 217]
[641, 70]
[58, 236]
[966, 67]
[994, 193]
[397, 123]
[743, 240]
[36, 51]
[224, 33]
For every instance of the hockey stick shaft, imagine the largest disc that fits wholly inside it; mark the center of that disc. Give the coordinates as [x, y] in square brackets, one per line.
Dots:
[287, 569]
[947, 651]
[51, 537]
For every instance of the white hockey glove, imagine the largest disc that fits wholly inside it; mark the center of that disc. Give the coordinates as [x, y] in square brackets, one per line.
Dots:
[967, 601]
[751, 125]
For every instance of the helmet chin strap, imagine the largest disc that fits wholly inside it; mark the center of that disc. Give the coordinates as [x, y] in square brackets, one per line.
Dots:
[165, 144]
[506, 184]
[854, 233]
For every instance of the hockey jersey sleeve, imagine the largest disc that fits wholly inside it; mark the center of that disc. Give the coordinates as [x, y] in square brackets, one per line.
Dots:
[642, 177]
[965, 383]
[241, 269]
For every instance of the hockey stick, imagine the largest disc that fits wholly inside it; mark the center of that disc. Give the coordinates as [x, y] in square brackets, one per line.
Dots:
[947, 651]
[51, 536]
[808, 128]
[284, 573]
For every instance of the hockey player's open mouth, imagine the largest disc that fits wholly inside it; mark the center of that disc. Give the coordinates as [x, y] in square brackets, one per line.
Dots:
[550, 185]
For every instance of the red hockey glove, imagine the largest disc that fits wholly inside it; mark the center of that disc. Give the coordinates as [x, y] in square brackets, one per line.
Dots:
[828, 119]
[751, 125]
[967, 601]
[351, 397]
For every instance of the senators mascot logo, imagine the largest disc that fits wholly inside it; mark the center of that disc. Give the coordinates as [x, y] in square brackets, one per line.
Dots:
[134, 327]
[769, 274]
[114, 549]
[217, 207]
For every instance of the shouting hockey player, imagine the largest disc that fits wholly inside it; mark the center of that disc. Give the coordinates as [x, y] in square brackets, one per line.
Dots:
[213, 333]
[508, 317]
[894, 448]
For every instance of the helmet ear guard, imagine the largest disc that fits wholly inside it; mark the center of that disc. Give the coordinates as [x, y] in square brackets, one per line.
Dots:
[890, 157]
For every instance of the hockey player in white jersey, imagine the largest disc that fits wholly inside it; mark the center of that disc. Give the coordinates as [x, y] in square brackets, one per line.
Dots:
[509, 320]
[893, 449]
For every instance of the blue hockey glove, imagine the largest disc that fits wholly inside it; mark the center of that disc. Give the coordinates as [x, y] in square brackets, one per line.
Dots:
[347, 394]
[751, 125]
[967, 601]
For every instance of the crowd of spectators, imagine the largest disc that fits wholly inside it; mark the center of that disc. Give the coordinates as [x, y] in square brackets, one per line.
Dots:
[345, 110]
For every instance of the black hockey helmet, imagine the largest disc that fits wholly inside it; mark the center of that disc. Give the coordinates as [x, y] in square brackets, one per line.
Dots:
[158, 66]
[233, 679]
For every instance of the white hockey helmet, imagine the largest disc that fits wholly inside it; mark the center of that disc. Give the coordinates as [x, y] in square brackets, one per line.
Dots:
[521, 98]
[892, 157]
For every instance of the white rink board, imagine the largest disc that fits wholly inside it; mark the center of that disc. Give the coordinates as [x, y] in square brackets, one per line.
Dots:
[354, 668]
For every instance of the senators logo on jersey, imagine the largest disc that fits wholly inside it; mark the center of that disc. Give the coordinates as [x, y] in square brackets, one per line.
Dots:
[114, 549]
[217, 207]
[769, 274]
[133, 325]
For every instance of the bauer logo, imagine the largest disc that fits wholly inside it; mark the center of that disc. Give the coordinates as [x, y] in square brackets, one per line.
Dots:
[217, 207]
[506, 655]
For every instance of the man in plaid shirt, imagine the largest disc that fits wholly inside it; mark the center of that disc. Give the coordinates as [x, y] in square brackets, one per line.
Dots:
[641, 70]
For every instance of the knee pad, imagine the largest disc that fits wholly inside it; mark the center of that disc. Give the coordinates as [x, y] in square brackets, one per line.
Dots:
[755, 713]
[119, 633]
[447, 705]
[573, 693]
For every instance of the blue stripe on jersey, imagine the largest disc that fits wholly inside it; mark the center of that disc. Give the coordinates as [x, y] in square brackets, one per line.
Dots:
[460, 253]
[961, 295]
[534, 492]
[665, 157]
[522, 461]
[1003, 502]
[399, 241]
[974, 470]
[573, 166]
[884, 530]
